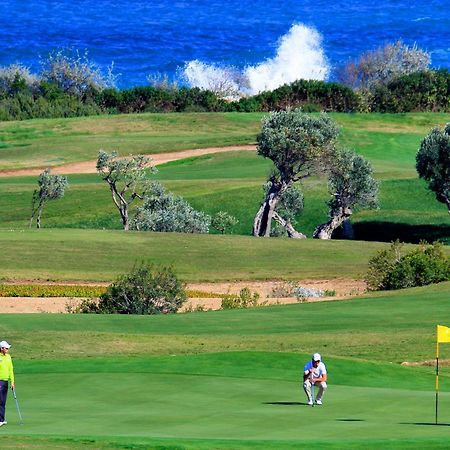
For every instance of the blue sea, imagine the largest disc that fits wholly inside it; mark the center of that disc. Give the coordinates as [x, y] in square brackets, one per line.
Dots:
[191, 40]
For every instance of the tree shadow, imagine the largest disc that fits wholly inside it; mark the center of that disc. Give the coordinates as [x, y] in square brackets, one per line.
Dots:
[286, 403]
[433, 424]
[389, 231]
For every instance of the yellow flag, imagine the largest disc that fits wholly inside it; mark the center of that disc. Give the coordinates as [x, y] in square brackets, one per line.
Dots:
[443, 334]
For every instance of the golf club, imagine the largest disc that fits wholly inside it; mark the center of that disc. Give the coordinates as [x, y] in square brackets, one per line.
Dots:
[312, 391]
[17, 406]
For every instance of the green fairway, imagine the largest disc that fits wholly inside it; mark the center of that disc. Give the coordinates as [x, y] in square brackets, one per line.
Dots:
[52, 142]
[92, 382]
[102, 255]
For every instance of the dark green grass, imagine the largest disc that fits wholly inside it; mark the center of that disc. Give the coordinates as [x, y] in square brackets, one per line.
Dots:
[111, 393]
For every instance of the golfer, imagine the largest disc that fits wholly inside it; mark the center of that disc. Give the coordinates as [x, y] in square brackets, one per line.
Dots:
[315, 373]
[6, 375]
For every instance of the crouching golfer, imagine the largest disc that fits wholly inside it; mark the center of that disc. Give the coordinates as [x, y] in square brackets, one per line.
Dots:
[315, 373]
[6, 375]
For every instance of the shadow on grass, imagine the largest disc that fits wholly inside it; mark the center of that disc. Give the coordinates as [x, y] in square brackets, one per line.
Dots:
[286, 403]
[389, 231]
[350, 420]
[426, 424]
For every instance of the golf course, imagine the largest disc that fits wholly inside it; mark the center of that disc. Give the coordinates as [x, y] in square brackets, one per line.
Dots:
[225, 379]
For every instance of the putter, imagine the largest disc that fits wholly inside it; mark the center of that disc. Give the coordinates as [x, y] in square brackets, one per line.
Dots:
[312, 393]
[17, 406]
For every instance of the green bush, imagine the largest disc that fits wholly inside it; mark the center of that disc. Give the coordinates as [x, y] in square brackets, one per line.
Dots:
[389, 269]
[420, 91]
[245, 299]
[145, 290]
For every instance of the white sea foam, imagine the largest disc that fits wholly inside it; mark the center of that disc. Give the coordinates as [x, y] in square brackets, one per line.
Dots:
[299, 56]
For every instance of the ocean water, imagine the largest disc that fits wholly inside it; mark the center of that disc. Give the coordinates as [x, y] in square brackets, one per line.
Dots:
[267, 42]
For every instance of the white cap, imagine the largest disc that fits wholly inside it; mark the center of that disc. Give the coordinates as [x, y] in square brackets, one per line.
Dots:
[316, 357]
[4, 344]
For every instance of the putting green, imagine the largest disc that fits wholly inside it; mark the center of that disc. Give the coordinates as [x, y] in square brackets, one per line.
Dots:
[186, 398]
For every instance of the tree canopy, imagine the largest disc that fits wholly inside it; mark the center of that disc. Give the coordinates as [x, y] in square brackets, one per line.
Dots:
[433, 163]
[351, 184]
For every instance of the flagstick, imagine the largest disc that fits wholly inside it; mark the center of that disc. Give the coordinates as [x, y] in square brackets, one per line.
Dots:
[437, 379]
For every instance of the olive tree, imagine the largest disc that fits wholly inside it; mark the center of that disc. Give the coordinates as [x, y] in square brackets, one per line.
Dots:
[126, 178]
[51, 187]
[351, 185]
[298, 144]
[433, 163]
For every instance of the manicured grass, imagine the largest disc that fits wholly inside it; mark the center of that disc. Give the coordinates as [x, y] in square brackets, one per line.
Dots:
[92, 382]
[52, 142]
[357, 328]
[102, 255]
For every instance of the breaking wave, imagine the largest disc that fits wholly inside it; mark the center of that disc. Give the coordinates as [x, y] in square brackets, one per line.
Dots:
[299, 56]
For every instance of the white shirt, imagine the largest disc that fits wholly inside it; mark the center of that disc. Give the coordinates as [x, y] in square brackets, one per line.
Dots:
[318, 371]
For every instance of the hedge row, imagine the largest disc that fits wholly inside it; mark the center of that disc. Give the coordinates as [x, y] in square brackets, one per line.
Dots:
[422, 91]
[57, 290]
[53, 290]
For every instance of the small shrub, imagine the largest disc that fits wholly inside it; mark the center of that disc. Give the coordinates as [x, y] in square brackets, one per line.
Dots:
[389, 269]
[245, 299]
[304, 293]
[223, 222]
[165, 212]
[284, 289]
[145, 290]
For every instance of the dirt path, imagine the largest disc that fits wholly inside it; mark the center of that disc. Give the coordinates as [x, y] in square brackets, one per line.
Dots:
[157, 159]
[343, 288]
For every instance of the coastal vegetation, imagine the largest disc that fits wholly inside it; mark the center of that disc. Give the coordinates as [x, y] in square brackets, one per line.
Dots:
[393, 78]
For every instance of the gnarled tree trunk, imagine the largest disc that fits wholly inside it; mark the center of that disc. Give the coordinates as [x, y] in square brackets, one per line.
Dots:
[262, 224]
[338, 217]
[291, 231]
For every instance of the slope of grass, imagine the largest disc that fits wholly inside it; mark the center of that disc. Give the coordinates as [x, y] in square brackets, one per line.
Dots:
[102, 255]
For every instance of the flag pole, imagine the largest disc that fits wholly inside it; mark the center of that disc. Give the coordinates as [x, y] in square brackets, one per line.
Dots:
[437, 378]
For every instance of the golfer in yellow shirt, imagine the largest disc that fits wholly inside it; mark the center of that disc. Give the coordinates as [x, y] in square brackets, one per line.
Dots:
[6, 375]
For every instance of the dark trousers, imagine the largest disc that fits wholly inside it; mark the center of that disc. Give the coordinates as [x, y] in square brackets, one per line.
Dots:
[3, 394]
